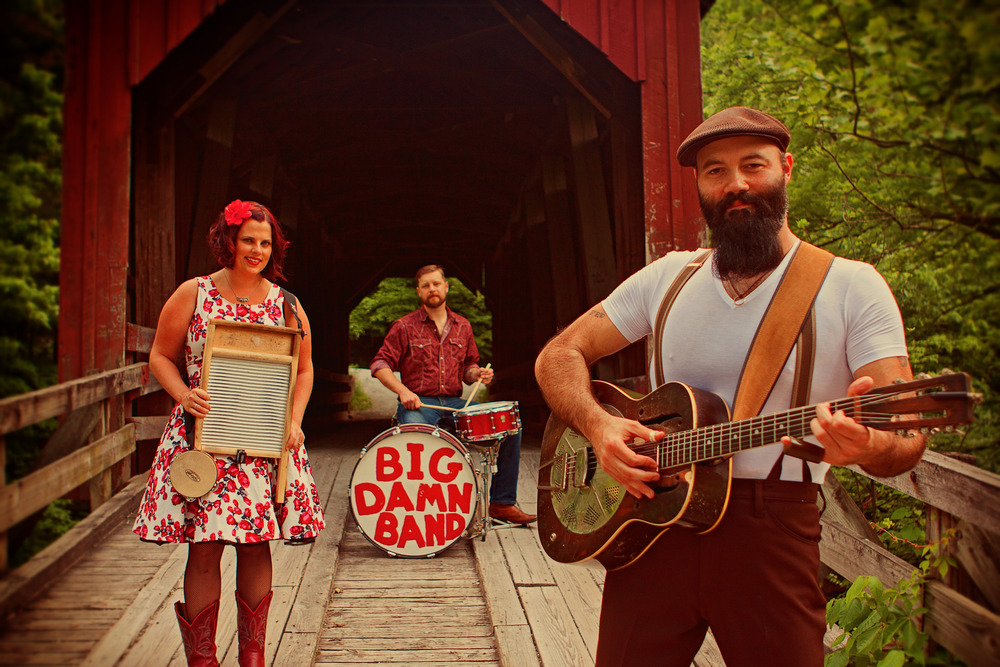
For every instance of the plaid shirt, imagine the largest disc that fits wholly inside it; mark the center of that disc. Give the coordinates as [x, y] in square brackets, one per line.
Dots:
[429, 364]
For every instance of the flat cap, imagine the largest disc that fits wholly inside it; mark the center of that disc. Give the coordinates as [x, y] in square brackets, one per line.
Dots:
[732, 122]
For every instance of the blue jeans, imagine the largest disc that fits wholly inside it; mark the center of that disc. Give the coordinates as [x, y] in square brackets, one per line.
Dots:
[503, 489]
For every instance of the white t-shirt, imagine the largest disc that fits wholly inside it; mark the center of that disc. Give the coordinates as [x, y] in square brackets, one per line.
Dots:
[707, 337]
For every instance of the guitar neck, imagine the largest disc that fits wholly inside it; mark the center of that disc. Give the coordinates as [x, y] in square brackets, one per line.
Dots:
[718, 440]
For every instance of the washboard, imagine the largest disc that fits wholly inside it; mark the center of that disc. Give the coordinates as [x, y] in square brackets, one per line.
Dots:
[249, 372]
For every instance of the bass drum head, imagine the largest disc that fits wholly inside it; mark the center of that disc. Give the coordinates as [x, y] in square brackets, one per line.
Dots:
[193, 473]
[413, 492]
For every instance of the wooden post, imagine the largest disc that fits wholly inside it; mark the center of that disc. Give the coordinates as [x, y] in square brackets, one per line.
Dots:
[592, 201]
[95, 207]
[671, 108]
[99, 487]
[542, 314]
[561, 240]
[214, 183]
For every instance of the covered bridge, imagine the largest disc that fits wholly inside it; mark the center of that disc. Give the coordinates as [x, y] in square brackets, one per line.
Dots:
[526, 145]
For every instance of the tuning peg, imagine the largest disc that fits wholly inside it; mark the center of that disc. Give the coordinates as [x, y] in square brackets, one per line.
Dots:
[947, 371]
[976, 398]
[920, 376]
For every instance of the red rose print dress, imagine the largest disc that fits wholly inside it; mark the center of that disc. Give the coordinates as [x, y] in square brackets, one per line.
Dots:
[240, 508]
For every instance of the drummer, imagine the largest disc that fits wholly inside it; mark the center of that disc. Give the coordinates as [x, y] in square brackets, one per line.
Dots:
[434, 351]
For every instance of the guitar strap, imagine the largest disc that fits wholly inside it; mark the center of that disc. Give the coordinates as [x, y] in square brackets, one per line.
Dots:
[788, 322]
[780, 327]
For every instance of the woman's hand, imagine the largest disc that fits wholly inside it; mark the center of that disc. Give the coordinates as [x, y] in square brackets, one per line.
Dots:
[296, 438]
[197, 402]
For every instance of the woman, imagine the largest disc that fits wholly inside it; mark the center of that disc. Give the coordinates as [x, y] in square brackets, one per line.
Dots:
[250, 247]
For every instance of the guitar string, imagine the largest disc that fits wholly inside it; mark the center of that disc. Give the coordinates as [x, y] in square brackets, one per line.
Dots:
[681, 442]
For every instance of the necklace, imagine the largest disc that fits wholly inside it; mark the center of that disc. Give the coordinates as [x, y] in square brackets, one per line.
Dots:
[241, 299]
[740, 297]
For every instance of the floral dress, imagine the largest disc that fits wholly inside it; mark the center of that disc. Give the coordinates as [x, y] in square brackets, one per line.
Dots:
[240, 507]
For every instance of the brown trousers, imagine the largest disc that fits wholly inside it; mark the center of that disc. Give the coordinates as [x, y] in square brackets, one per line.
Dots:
[753, 580]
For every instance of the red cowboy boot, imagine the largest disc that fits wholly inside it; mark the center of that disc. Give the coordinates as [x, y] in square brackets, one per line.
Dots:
[199, 635]
[251, 626]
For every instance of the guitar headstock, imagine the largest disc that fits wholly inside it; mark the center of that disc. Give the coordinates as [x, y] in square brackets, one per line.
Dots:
[927, 403]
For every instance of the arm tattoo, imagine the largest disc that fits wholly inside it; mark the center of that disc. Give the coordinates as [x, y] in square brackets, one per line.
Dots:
[597, 314]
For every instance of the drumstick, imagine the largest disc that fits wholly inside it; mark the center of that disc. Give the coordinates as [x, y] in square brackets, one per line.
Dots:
[475, 388]
[437, 407]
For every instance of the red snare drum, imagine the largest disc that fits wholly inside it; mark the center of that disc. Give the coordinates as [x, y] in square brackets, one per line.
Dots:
[488, 421]
[413, 491]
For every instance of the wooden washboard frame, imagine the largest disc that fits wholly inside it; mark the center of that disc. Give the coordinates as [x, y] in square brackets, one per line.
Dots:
[249, 371]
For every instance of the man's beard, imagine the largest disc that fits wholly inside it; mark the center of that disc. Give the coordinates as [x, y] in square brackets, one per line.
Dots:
[439, 302]
[746, 240]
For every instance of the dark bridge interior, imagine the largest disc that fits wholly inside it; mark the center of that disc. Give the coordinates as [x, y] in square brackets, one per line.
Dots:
[484, 135]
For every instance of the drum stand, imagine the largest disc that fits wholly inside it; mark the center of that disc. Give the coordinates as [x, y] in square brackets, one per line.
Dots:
[481, 522]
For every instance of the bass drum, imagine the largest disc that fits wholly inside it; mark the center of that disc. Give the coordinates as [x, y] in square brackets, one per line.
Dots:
[413, 492]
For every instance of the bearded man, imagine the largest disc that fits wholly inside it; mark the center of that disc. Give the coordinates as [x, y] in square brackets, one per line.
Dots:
[752, 578]
[434, 351]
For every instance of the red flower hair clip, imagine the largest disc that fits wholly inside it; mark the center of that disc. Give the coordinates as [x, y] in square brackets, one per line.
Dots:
[237, 212]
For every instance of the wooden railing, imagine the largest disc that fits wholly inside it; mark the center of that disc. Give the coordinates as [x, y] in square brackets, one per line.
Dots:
[92, 447]
[960, 617]
[99, 440]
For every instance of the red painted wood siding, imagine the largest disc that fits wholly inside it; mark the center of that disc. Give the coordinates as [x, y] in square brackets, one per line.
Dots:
[157, 26]
[613, 26]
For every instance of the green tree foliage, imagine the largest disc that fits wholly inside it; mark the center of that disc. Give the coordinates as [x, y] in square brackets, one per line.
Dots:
[395, 297]
[31, 80]
[30, 185]
[893, 108]
[882, 626]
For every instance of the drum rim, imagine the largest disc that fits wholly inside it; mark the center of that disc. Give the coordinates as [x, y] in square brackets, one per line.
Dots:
[413, 427]
[478, 407]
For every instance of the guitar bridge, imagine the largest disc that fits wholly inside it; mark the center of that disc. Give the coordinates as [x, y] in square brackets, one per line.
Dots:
[557, 486]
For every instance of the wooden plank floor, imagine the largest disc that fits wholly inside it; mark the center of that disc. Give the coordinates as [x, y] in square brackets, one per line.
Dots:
[535, 600]
[498, 601]
[404, 611]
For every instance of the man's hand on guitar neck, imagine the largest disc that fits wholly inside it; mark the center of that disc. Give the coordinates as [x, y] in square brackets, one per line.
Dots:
[633, 471]
[880, 453]
[845, 440]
